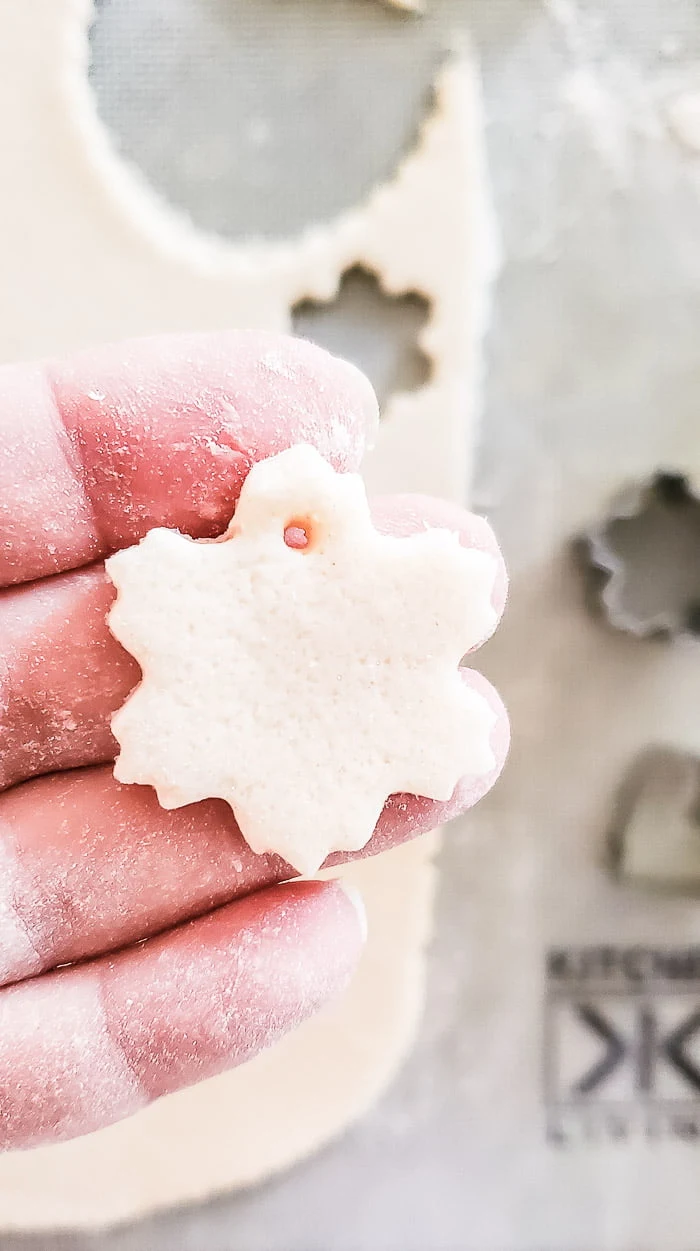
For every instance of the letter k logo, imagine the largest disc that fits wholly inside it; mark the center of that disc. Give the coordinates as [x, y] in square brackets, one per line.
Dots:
[643, 1047]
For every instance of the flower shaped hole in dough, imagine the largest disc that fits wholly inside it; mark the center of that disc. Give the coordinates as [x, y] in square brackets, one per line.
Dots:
[304, 667]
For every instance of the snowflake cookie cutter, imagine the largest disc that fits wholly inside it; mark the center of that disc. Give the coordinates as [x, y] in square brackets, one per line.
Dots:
[641, 564]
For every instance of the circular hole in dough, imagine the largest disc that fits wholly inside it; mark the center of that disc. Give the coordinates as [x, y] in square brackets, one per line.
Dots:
[298, 533]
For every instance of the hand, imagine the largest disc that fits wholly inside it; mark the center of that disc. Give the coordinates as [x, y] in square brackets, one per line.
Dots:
[95, 451]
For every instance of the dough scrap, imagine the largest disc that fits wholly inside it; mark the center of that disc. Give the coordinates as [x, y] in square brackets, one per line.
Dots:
[303, 685]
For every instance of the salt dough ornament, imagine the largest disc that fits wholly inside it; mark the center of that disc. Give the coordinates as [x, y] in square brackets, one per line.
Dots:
[302, 684]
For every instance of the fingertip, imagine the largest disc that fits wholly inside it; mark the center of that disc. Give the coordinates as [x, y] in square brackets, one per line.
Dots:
[234, 980]
[327, 400]
[163, 1014]
[106, 444]
[360, 400]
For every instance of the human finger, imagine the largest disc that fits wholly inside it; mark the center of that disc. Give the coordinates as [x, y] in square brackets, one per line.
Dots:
[88, 865]
[99, 448]
[119, 1032]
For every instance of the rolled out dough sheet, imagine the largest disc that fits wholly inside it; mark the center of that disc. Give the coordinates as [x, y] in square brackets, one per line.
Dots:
[89, 254]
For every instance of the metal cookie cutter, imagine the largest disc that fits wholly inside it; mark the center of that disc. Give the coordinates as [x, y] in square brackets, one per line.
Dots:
[655, 838]
[642, 562]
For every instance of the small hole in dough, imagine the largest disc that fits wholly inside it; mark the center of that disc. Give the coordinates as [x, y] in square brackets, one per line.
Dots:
[298, 534]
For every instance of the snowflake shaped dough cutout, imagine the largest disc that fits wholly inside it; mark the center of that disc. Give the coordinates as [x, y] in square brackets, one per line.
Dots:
[303, 685]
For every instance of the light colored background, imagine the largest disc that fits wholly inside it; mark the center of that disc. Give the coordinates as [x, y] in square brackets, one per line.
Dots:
[261, 115]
